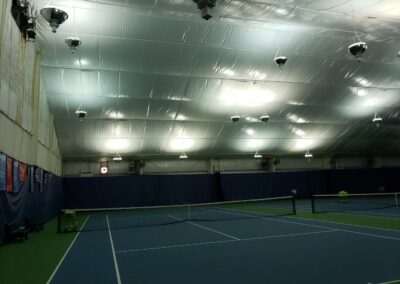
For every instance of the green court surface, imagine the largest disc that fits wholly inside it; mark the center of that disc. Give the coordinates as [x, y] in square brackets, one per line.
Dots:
[34, 261]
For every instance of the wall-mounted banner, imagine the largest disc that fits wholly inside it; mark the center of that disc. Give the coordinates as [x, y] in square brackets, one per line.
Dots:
[9, 174]
[39, 178]
[23, 172]
[31, 178]
[45, 179]
[16, 175]
[2, 171]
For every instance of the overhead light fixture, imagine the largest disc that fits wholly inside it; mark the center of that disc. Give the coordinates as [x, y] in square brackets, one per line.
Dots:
[377, 119]
[257, 155]
[308, 155]
[398, 54]
[264, 118]
[55, 17]
[357, 48]
[73, 43]
[183, 156]
[81, 113]
[235, 118]
[117, 158]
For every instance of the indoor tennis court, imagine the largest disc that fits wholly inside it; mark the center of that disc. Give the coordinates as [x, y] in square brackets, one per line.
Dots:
[243, 250]
[199, 141]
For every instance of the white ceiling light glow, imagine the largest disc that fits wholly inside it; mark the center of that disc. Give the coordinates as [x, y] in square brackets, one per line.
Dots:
[250, 131]
[114, 114]
[117, 144]
[247, 97]
[295, 118]
[298, 131]
[81, 62]
[255, 74]
[225, 71]
[181, 144]
[302, 144]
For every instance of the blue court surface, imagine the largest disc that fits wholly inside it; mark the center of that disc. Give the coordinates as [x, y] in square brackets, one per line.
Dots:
[283, 249]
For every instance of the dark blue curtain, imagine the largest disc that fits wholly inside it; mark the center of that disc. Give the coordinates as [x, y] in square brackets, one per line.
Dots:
[365, 180]
[259, 185]
[16, 206]
[123, 191]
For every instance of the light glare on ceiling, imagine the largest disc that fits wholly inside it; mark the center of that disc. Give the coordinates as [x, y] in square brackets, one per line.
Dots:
[117, 144]
[250, 131]
[181, 143]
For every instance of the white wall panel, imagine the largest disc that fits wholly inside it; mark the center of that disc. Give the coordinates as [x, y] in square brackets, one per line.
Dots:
[19, 88]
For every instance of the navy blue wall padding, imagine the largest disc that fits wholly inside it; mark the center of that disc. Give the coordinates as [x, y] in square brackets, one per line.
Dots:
[260, 185]
[365, 180]
[123, 191]
[149, 190]
[15, 207]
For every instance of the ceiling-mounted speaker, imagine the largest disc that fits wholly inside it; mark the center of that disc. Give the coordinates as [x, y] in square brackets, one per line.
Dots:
[55, 17]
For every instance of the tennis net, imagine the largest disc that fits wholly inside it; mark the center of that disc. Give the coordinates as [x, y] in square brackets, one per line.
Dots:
[132, 217]
[353, 202]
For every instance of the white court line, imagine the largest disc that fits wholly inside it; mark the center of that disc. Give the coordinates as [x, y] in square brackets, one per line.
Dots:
[352, 225]
[66, 252]
[390, 282]
[377, 215]
[323, 227]
[226, 241]
[205, 228]
[113, 252]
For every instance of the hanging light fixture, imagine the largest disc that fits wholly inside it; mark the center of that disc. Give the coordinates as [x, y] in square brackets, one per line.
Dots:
[308, 155]
[81, 113]
[117, 158]
[377, 119]
[357, 48]
[183, 156]
[55, 17]
[73, 43]
[257, 155]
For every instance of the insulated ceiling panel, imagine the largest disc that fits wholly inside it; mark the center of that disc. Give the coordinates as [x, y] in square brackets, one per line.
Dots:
[157, 80]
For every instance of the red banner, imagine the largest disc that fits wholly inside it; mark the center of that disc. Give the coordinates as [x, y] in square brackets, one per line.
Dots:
[23, 172]
[9, 175]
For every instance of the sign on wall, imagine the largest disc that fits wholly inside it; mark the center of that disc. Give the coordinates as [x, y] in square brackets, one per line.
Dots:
[16, 175]
[2, 171]
[9, 174]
